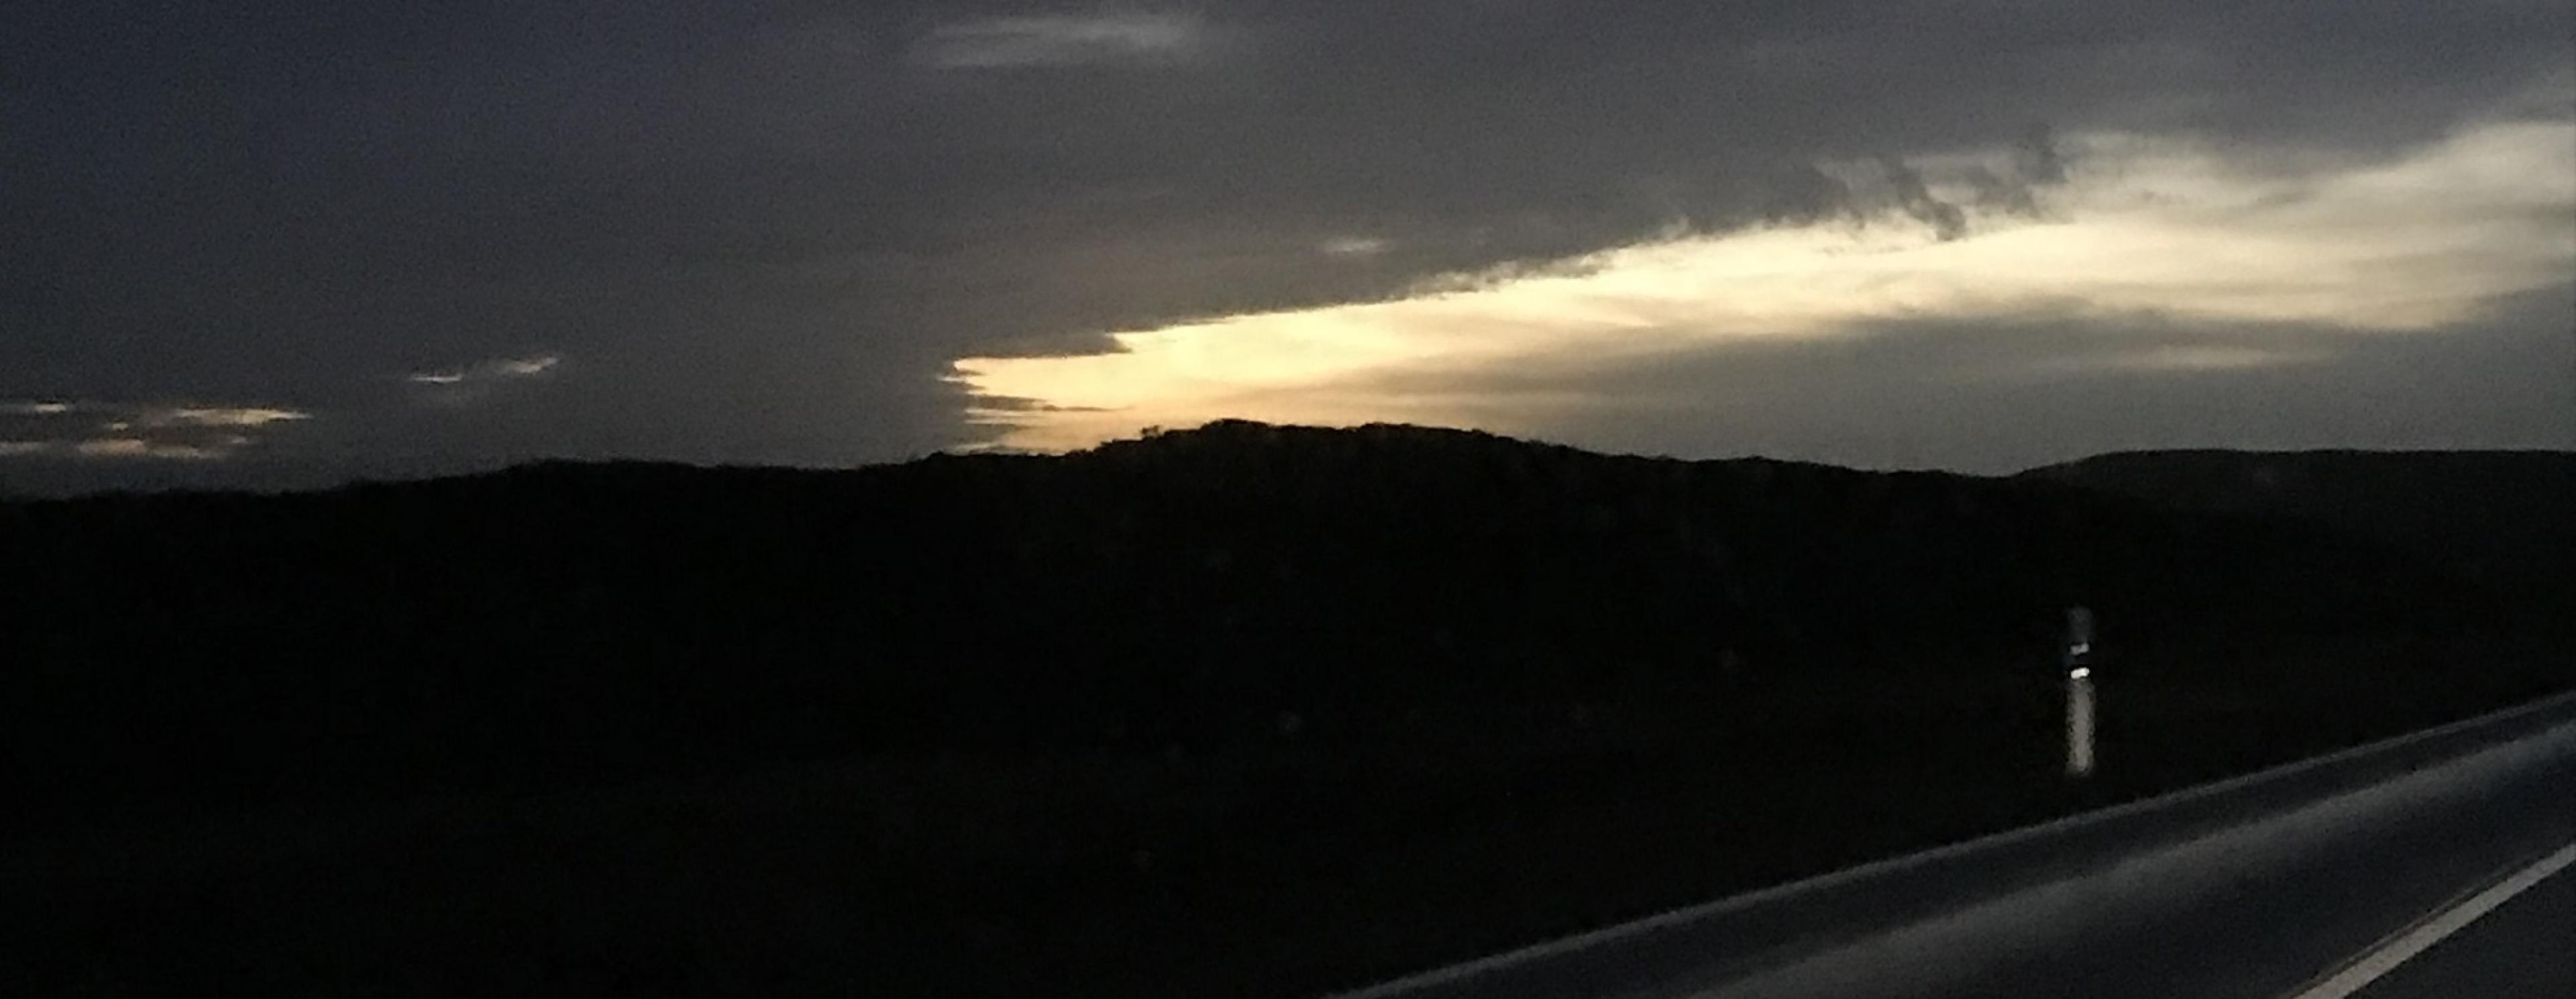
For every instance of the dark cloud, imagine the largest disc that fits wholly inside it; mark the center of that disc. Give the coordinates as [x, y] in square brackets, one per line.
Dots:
[764, 229]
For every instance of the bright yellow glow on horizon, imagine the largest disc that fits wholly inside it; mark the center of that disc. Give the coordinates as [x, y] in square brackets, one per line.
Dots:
[2145, 229]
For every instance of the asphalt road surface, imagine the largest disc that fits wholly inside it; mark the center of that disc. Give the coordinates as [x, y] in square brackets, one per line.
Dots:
[2270, 909]
[2166, 931]
[2522, 949]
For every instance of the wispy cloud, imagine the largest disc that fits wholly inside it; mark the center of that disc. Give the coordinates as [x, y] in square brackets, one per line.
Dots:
[2174, 357]
[199, 416]
[114, 430]
[2138, 228]
[1353, 246]
[125, 416]
[1039, 40]
[475, 383]
[498, 368]
[136, 447]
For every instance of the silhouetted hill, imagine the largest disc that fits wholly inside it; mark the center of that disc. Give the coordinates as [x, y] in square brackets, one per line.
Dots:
[1245, 710]
[1196, 590]
[2509, 514]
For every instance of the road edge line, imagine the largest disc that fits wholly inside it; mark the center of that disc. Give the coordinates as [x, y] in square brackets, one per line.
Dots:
[2394, 950]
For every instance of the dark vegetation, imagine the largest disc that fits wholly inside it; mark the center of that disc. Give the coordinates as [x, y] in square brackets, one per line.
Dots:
[1244, 710]
[2503, 516]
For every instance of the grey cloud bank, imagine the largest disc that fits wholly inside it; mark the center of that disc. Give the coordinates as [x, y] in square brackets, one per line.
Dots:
[766, 230]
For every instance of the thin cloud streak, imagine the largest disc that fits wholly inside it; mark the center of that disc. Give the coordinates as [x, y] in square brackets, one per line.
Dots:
[1059, 40]
[2175, 358]
[139, 431]
[217, 417]
[156, 416]
[497, 368]
[136, 447]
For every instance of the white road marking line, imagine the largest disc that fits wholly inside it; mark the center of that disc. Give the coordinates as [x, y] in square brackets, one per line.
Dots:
[2387, 956]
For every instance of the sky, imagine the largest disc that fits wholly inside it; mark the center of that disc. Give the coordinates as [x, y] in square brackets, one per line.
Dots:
[293, 243]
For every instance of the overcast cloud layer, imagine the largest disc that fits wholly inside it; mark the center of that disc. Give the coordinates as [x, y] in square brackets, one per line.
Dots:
[448, 236]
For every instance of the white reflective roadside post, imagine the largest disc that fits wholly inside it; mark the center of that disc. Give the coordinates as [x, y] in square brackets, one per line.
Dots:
[2078, 661]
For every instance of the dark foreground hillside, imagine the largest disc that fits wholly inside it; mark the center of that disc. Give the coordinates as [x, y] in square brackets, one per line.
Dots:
[1243, 710]
[2509, 516]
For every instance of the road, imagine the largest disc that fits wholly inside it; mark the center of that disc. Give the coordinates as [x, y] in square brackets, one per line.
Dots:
[2522, 949]
[2265, 909]
[2169, 931]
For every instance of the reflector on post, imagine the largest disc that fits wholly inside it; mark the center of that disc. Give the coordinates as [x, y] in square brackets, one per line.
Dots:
[2078, 659]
